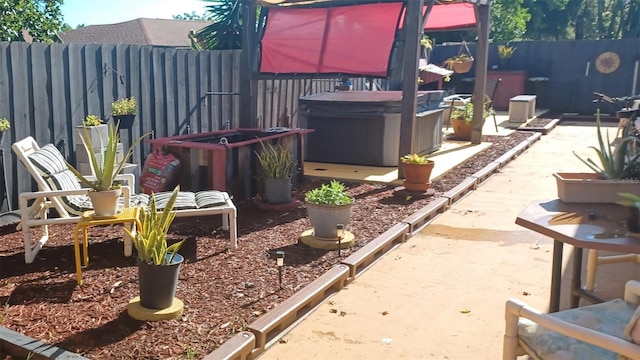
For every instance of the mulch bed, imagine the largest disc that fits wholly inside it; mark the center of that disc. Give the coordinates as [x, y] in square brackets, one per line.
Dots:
[223, 291]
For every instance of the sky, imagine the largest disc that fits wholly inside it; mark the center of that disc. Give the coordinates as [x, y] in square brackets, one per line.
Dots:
[94, 12]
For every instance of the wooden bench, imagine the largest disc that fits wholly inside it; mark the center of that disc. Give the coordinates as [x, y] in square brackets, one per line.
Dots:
[522, 108]
[275, 321]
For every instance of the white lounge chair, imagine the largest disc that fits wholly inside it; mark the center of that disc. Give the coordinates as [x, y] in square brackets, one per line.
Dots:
[58, 188]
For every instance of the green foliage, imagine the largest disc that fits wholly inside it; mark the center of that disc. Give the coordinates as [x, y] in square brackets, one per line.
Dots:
[124, 106]
[92, 120]
[192, 17]
[332, 193]
[226, 31]
[620, 162]
[277, 161]
[629, 200]
[4, 124]
[505, 52]
[107, 168]
[466, 113]
[151, 240]
[43, 19]
[508, 20]
[415, 159]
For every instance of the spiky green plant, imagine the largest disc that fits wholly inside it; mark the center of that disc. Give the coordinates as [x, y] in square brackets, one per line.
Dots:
[108, 167]
[619, 162]
[150, 240]
[629, 200]
[415, 159]
[277, 162]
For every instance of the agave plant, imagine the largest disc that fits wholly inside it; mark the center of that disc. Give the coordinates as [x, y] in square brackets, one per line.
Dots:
[150, 240]
[106, 167]
[619, 162]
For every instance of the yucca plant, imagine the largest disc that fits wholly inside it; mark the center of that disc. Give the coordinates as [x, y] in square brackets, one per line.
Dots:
[106, 167]
[277, 162]
[619, 162]
[151, 240]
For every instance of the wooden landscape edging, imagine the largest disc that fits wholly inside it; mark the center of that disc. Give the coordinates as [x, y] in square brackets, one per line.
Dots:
[23, 347]
[238, 347]
[372, 251]
[274, 322]
[422, 217]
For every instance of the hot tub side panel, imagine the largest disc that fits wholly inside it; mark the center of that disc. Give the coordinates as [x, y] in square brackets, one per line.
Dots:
[346, 140]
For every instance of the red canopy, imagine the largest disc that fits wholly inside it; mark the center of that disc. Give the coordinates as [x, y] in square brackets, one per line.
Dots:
[354, 40]
[348, 39]
[451, 16]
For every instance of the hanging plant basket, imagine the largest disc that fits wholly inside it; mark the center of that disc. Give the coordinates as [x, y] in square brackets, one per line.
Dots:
[462, 62]
[462, 66]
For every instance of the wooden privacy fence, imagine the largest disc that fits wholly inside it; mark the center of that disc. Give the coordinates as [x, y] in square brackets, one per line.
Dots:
[47, 90]
[569, 67]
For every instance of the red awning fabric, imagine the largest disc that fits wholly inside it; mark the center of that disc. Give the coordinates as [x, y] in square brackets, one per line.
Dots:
[349, 40]
[337, 40]
[451, 16]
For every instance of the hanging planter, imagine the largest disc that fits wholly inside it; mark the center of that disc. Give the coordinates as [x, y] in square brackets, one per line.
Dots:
[462, 62]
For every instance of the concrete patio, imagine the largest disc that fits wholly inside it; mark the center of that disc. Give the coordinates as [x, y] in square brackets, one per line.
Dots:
[441, 294]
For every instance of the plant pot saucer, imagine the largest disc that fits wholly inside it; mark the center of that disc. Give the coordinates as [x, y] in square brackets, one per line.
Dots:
[138, 312]
[315, 242]
[293, 204]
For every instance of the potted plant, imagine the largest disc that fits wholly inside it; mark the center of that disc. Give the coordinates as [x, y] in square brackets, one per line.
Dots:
[417, 171]
[460, 64]
[618, 172]
[277, 164]
[505, 52]
[158, 262]
[4, 126]
[105, 165]
[123, 111]
[461, 120]
[93, 127]
[328, 206]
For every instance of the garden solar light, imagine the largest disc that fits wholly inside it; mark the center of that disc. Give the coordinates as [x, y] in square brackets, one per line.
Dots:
[340, 228]
[280, 264]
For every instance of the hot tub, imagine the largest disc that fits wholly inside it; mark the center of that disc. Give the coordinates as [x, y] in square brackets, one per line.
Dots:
[225, 159]
[363, 127]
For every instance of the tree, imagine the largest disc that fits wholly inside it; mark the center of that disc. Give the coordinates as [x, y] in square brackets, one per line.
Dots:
[226, 31]
[193, 17]
[508, 20]
[42, 18]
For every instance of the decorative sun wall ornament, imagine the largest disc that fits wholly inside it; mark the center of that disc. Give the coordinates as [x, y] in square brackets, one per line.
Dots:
[607, 62]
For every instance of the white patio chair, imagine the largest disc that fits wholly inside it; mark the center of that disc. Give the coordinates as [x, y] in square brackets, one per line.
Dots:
[609, 330]
[59, 188]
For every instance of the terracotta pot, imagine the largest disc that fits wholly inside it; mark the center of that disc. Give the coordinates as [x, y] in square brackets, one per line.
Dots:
[462, 67]
[461, 129]
[591, 188]
[417, 176]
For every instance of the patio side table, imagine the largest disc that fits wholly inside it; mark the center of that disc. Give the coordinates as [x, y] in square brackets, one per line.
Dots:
[127, 216]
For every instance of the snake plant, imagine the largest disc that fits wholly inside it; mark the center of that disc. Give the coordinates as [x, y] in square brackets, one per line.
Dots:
[151, 240]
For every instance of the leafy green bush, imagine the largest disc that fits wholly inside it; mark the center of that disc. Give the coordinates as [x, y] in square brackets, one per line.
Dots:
[126, 106]
[92, 120]
[333, 193]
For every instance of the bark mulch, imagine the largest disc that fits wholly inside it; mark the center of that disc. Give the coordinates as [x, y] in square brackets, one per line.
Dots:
[223, 291]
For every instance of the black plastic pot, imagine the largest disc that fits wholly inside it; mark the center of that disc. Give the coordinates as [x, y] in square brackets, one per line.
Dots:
[125, 121]
[158, 283]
